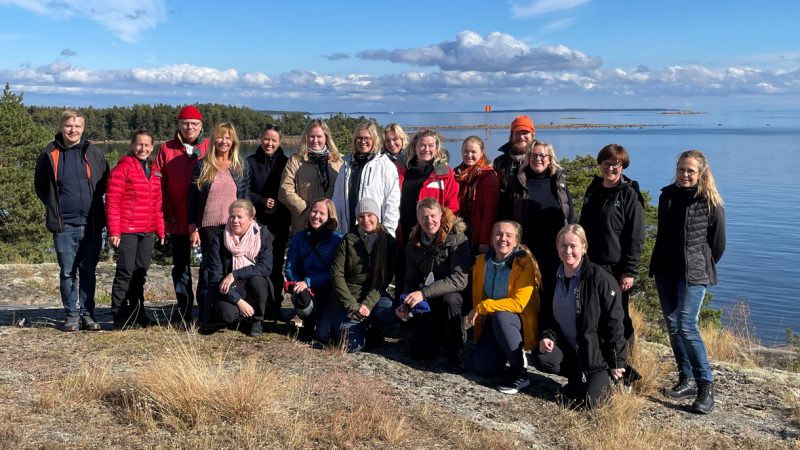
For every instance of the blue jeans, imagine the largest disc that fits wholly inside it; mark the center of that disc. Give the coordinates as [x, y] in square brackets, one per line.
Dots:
[354, 331]
[680, 304]
[77, 253]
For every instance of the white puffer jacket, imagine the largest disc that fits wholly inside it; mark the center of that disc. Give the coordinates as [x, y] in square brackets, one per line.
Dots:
[379, 181]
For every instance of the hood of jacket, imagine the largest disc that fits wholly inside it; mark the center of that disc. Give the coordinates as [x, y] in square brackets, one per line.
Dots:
[451, 225]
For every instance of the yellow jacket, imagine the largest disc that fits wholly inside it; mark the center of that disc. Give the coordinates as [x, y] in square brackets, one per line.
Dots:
[523, 290]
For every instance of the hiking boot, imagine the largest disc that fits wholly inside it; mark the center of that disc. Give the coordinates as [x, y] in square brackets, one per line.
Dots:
[144, 321]
[514, 381]
[685, 389]
[704, 403]
[255, 329]
[87, 323]
[73, 323]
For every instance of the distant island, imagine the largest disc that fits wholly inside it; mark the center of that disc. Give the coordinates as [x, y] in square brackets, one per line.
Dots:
[682, 112]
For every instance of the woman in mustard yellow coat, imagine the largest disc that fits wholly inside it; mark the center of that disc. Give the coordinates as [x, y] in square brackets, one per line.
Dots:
[505, 299]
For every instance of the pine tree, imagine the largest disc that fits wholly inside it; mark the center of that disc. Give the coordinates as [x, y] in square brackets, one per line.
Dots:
[23, 236]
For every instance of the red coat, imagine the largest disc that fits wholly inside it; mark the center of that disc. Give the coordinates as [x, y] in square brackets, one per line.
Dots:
[175, 168]
[133, 202]
[484, 198]
[441, 184]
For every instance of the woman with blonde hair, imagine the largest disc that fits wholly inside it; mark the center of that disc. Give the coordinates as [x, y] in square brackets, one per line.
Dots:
[240, 263]
[308, 271]
[544, 208]
[394, 143]
[311, 173]
[582, 335]
[367, 173]
[505, 299]
[689, 244]
[219, 179]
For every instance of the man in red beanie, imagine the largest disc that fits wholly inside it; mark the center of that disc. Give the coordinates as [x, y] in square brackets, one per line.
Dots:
[175, 164]
[513, 154]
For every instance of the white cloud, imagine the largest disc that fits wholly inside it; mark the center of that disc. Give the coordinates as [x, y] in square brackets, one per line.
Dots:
[304, 88]
[127, 19]
[558, 25]
[498, 52]
[539, 7]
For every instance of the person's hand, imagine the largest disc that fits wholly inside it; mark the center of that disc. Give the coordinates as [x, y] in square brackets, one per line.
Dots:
[226, 283]
[626, 282]
[245, 309]
[195, 238]
[113, 241]
[413, 298]
[546, 345]
[364, 311]
[161, 241]
[617, 373]
[299, 287]
[472, 317]
[483, 248]
[402, 312]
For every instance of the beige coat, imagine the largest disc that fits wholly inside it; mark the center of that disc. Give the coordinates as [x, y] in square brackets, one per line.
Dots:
[300, 186]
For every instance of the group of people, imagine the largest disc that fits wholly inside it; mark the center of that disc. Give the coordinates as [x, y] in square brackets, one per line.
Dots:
[391, 233]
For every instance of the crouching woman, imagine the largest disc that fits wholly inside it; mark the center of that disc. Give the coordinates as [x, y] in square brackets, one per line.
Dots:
[505, 299]
[582, 335]
[363, 267]
[240, 262]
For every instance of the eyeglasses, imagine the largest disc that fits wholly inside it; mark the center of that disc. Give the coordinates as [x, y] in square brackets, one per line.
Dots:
[690, 172]
[363, 138]
[190, 123]
[541, 156]
[611, 164]
[271, 127]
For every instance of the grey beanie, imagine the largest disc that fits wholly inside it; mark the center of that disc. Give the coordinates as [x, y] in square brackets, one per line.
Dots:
[368, 205]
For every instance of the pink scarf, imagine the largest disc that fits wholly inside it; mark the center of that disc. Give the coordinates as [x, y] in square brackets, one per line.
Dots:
[245, 249]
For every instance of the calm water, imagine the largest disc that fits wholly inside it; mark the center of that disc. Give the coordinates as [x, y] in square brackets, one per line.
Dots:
[755, 156]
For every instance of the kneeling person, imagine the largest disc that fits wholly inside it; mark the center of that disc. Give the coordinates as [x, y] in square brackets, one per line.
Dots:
[505, 284]
[239, 267]
[363, 268]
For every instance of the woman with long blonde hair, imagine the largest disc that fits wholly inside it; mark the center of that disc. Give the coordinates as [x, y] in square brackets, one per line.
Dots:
[219, 179]
[689, 244]
[311, 173]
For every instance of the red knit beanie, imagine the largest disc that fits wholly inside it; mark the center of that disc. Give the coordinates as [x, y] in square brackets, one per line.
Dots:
[191, 113]
[522, 123]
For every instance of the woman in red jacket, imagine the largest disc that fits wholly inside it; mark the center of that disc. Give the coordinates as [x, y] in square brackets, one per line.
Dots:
[478, 194]
[133, 210]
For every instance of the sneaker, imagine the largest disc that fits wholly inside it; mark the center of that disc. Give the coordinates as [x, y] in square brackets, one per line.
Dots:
[73, 323]
[704, 403]
[255, 329]
[515, 381]
[685, 389]
[87, 323]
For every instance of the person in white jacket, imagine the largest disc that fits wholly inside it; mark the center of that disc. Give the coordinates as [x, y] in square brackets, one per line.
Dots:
[367, 173]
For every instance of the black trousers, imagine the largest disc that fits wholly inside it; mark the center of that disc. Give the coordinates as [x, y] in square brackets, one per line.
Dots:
[441, 325]
[127, 291]
[205, 299]
[276, 277]
[182, 274]
[588, 389]
[257, 293]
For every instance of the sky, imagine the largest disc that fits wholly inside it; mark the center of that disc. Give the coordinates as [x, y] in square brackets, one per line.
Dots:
[371, 56]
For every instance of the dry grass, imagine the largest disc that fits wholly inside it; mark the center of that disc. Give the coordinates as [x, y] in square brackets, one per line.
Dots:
[88, 383]
[653, 366]
[734, 343]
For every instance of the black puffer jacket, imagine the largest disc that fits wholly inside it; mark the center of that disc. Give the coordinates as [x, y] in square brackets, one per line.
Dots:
[598, 312]
[702, 236]
[614, 222]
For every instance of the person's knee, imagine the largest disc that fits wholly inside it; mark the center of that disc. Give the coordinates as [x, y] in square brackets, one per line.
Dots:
[545, 362]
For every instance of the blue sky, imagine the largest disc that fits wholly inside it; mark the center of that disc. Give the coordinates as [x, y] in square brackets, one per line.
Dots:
[404, 56]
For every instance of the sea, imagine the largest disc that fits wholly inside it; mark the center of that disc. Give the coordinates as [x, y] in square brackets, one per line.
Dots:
[754, 156]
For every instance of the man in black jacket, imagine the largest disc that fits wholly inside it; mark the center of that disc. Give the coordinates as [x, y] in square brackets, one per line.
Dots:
[514, 154]
[70, 180]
